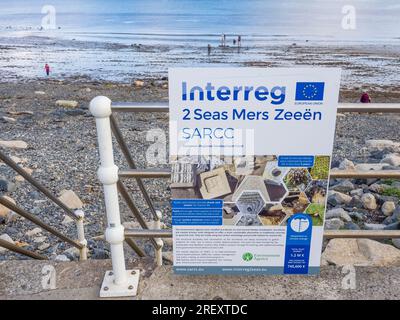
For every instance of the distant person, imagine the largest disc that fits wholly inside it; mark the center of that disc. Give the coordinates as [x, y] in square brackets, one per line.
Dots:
[209, 49]
[239, 41]
[47, 69]
[365, 98]
[234, 42]
[223, 39]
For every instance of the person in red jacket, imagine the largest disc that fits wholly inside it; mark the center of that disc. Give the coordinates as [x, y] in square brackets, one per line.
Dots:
[365, 98]
[47, 69]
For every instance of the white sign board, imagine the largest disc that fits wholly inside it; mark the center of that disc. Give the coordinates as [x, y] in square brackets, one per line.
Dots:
[250, 153]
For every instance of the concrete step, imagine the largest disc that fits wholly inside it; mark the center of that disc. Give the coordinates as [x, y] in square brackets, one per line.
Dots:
[81, 280]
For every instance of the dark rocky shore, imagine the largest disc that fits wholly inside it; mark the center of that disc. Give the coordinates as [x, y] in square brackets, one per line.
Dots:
[62, 153]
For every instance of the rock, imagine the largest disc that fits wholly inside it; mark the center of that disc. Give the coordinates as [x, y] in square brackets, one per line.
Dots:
[7, 186]
[72, 253]
[44, 246]
[14, 144]
[33, 232]
[99, 254]
[333, 224]
[357, 192]
[4, 211]
[369, 201]
[61, 258]
[336, 198]
[347, 165]
[378, 188]
[388, 208]
[379, 145]
[8, 119]
[40, 93]
[374, 226]
[344, 186]
[40, 239]
[360, 252]
[396, 242]
[67, 103]
[138, 83]
[70, 199]
[357, 216]
[356, 202]
[88, 90]
[20, 113]
[67, 220]
[351, 226]
[7, 238]
[338, 213]
[392, 159]
[392, 226]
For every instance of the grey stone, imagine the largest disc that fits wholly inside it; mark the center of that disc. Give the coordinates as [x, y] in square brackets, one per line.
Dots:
[393, 159]
[61, 258]
[396, 242]
[337, 198]
[351, 226]
[388, 208]
[360, 252]
[338, 213]
[7, 186]
[392, 226]
[343, 186]
[369, 201]
[33, 232]
[374, 226]
[357, 192]
[356, 202]
[359, 216]
[7, 238]
[346, 165]
[333, 224]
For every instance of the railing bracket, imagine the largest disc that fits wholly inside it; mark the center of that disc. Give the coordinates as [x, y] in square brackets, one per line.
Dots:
[129, 288]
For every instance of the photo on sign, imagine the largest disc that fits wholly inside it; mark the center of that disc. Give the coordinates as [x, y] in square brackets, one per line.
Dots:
[255, 190]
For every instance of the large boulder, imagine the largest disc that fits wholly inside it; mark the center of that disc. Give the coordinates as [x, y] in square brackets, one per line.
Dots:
[392, 158]
[360, 252]
[380, 145]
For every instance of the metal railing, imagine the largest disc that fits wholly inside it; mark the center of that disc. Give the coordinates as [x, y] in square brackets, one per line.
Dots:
[77, 216]
[102, 109]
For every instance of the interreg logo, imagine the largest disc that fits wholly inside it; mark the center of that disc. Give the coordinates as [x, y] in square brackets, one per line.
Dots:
[247, 256]
[310, 91]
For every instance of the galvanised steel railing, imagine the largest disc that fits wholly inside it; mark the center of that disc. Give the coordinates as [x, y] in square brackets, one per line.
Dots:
[109, 174]
[77, 216]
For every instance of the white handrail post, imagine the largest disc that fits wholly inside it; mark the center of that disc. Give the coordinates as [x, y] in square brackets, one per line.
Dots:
[119, 281]
[81, 234]
[160, 243]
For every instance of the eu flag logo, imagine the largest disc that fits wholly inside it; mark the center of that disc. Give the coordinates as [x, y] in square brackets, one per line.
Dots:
[310, 91]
